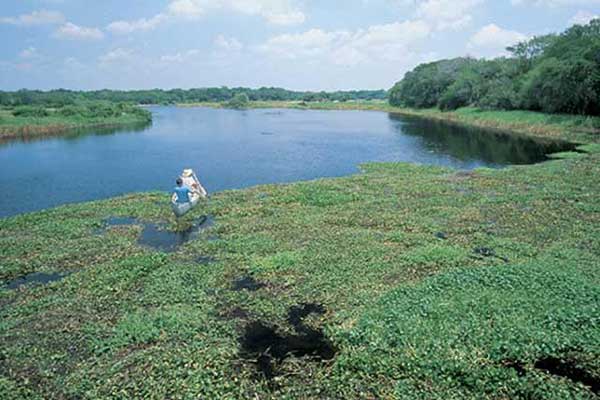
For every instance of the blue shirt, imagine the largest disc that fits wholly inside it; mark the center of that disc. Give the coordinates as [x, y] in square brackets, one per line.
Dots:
[183, 194]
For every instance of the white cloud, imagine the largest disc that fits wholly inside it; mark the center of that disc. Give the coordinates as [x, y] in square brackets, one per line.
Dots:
[179, 57]
[41, 17]
[583, 18]
[447, 14]
[75, 32]
[286, 18]
[117, 55]
[311, 43]
[388, 42]
[492, 40]
[228, 44]
[557, 3]
[142, 24]
[278, 12]
[187, 8]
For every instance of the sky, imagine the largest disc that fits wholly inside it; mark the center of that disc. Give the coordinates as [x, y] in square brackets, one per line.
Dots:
[296, 44]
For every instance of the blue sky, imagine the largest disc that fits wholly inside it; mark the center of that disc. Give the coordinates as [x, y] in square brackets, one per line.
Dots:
[297, 44]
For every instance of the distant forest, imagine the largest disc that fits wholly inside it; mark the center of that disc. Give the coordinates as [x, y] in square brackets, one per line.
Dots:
[556, 73]
[62, 97]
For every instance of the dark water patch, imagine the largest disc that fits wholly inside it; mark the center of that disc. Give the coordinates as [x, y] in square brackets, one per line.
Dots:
[570, 370]
[158, 237]
[296, 314]
[35, 279]
[515, 365]
[262, 344]
[564, 368]
[246, 283]
[441, 235]
[235, 313]
[488, 252]
[484, 251]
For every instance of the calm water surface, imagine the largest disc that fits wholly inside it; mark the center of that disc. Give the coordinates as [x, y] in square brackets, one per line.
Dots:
[234, 149]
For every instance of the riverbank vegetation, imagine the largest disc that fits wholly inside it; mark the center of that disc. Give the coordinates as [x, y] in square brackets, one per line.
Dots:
[223, 94]
[555, 73]
[404, 281]
[41, 120]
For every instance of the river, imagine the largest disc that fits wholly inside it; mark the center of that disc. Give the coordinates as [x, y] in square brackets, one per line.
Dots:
[232, 149]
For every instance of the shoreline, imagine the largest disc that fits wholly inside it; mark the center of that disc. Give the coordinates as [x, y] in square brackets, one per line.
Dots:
[36, 132]
[30, 122]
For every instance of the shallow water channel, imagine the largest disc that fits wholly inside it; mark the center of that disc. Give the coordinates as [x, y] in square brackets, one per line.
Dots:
[158, 237]
[233, 149]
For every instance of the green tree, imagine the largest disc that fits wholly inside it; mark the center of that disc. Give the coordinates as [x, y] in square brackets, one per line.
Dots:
[563, 86]
[424, 86]
[551, 73]
[240, 100]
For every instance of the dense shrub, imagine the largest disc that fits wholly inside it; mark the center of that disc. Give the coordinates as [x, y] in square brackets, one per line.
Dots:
[462, 92]
[70, 111]
[84, 111]
[30, 111]
[561, 86]
[240, 100]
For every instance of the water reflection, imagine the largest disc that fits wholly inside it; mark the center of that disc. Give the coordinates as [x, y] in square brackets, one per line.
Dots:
[464, 143]
[158, 237]
[74, 134]
[35, 278]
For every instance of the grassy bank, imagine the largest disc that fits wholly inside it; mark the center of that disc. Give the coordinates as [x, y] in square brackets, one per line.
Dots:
[426, 282]
[36, 121]
[552, 126]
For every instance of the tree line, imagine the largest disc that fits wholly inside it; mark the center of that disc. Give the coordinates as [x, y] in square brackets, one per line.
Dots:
[555, 73]
[62, 97]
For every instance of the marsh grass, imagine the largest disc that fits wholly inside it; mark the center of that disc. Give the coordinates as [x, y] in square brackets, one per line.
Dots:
[49, 121]
[411, 313]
